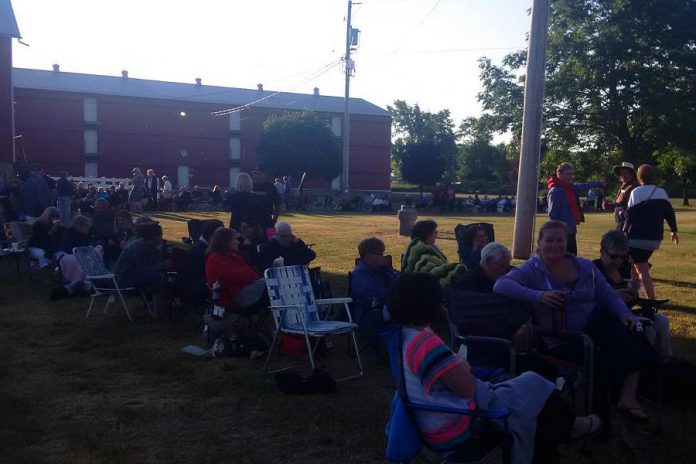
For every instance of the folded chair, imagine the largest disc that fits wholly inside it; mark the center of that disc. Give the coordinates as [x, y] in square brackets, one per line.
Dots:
[103, 281]
[486, 324]
[403, 440]
[295, 312]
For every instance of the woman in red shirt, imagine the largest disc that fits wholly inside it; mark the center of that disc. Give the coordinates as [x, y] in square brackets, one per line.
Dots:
[225, 265]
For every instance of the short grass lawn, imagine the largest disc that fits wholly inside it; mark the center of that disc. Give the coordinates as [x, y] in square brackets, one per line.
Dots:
[105, 390]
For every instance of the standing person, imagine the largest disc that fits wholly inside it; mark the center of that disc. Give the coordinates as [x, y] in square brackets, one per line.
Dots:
[287, 192]
[648, 209]
[269, 201]
[135, 198]
[278, 184]
[35, 195]
[564, 204]
[626, 173]
[152, 188]
[451, 197]
[167, 193]
[243, 202]
[66, 191]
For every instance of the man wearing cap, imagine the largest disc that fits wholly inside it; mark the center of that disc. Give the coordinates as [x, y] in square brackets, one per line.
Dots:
[564, 204]
[269, 199]
[626, 173]
[35, 195]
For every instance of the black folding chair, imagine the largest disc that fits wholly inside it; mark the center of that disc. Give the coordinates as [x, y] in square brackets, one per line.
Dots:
[464, 234]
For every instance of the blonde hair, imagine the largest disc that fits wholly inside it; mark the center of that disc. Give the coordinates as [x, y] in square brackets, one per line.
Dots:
[244, 183]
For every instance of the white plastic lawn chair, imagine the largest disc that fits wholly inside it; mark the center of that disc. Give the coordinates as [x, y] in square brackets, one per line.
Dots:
[103, 281]
[295, 312]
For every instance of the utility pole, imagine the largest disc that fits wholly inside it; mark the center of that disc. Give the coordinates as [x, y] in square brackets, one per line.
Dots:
[345, 132]
[528, 178]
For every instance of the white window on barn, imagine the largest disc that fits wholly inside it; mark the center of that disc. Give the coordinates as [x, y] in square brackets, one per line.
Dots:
[235, 121]
[182, 176]
[91, 169]
[234, 173]
[235, 148]
[90, 109]
[336, 123]
[91, 141]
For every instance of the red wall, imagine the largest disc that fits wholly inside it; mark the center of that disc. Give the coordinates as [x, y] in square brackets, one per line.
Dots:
[150, 133]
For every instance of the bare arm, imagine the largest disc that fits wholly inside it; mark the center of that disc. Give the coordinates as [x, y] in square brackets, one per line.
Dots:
[460, 380]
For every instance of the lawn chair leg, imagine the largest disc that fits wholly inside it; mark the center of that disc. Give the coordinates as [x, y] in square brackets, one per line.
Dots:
[125, 306]
[276, 337]
[147, 305]
[357, 356]
[89, 309]
[310, 351]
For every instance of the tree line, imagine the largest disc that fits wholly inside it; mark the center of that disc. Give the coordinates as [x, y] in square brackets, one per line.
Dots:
[620, 86]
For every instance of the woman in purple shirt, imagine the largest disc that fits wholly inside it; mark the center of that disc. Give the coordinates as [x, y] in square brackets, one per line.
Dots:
[555, 279]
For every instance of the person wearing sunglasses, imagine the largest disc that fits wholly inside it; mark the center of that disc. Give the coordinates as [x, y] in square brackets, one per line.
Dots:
[614, 266]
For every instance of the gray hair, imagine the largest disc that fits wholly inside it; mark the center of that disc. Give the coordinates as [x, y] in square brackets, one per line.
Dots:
[495, 250]
[283, 227]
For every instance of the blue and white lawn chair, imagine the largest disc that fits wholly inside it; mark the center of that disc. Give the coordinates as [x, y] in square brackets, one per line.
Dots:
[295, 312]
[103, 281]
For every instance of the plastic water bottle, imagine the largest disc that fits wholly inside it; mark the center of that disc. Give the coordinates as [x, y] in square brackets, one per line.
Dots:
[218, 311]
[463, 351]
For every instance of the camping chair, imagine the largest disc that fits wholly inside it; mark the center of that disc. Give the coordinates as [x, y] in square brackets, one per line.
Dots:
[403, 440]
[195, 227]
[465, 235]
[486, 324]
[294, 311]
[103, 281]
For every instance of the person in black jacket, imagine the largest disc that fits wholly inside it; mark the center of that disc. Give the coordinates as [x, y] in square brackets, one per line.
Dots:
[495, 262]
[284, 244]
[243, 203]
[45, 236]
[648, 208]
[192, 279]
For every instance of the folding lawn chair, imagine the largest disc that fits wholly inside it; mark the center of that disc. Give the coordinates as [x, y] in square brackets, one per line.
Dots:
[486, 324]
[195, 227]
[103, 281]
[294, 311]
[403, 440]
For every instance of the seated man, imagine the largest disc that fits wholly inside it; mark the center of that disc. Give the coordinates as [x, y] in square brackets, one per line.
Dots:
[284, 244]
[370, 281]
[495, 262]
[140, 264]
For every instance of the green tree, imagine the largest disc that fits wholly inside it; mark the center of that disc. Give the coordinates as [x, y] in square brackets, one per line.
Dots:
[295, 143]
[619, 75]
[425, 146]
[682, 165]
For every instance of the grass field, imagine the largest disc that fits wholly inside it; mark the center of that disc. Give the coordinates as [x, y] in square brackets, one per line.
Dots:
[105, 390]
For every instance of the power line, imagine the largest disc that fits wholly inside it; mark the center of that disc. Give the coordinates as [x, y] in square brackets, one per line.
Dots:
[418, 25]
[245, 106]
[459, 50]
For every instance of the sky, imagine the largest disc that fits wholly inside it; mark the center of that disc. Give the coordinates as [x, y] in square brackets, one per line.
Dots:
[420, 51]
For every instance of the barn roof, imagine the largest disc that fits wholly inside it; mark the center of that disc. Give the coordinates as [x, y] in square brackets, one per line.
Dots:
[130, 87]
[8, 23]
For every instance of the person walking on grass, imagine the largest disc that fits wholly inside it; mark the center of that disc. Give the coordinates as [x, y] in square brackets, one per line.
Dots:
[564, 201]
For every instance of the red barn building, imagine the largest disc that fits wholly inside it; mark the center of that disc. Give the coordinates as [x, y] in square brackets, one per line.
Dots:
[104, 126]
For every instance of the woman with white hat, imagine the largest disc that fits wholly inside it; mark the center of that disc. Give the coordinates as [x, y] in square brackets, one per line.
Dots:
[626, 172]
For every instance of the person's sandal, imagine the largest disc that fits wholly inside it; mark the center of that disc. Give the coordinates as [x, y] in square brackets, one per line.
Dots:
[594, 427]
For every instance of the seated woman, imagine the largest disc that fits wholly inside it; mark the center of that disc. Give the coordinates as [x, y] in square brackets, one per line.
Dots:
[239, 283]
[613, 264]
[538, 420]
[557, 280]
[123, 231]
[140, 264]
[45, 236]
[284, 244]
[479, 239]
[422, 255]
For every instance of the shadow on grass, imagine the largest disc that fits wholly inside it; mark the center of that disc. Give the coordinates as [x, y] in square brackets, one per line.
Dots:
[676, 283]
